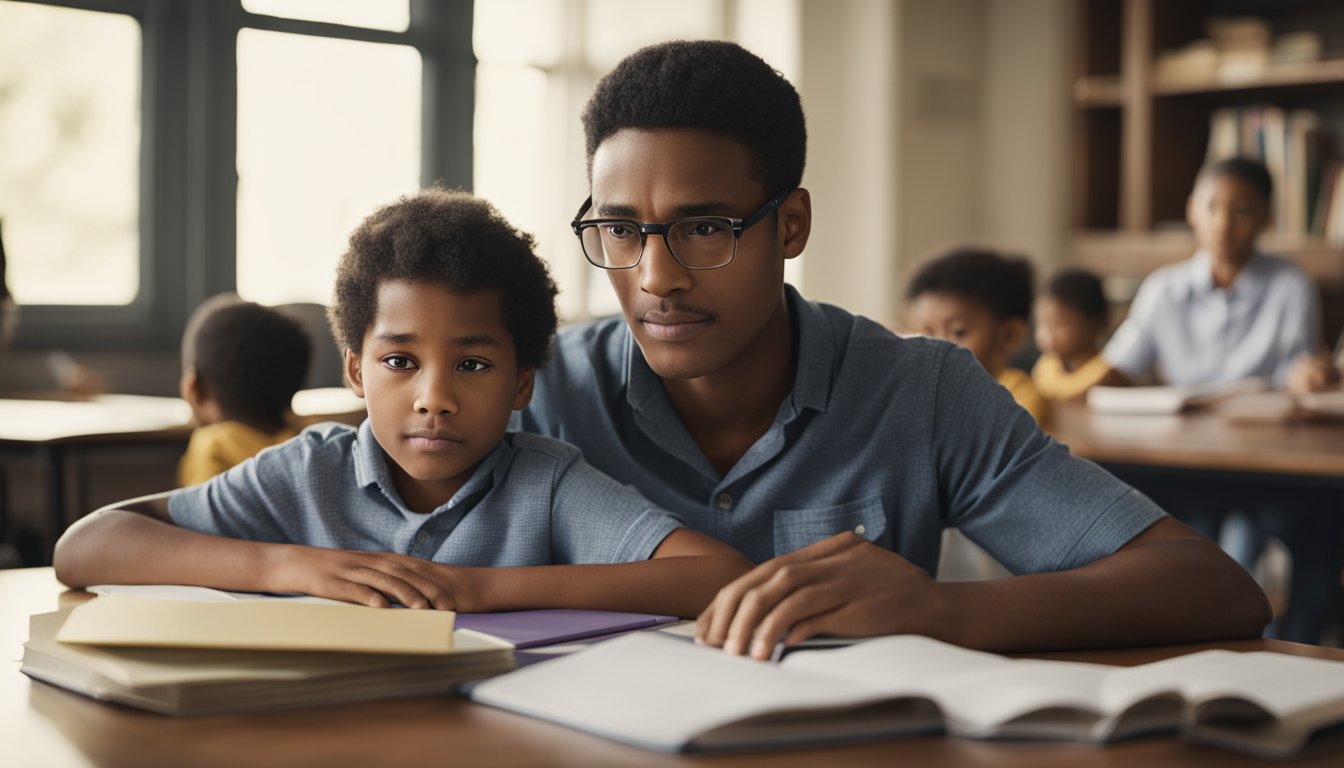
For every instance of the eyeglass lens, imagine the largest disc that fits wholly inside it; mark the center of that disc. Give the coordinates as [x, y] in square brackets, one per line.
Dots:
[696, 243]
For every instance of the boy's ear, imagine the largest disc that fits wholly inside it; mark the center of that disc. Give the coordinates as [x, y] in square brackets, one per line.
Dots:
[354, 376]
[190, 387]
[795, 222]
[523, 394]
[1012, 335]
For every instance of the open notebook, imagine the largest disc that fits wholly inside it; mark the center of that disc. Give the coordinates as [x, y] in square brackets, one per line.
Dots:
[665, 694]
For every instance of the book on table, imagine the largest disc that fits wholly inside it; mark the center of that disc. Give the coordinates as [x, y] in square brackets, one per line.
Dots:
[667, 694]
[212, 678]
[192, 650]
[1166, 399]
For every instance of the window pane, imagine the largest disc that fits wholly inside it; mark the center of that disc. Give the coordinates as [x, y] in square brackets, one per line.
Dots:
[327, 131]
[70, 154]
[394, 15]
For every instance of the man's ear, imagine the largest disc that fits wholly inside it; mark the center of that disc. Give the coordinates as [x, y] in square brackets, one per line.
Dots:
[354, 376]
[523, 394]
[795, 222]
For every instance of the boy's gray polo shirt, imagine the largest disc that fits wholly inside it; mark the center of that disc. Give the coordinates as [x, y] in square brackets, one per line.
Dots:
[892, 438]
[532, 501]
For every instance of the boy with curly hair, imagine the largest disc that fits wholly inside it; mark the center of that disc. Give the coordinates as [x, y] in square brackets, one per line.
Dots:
[445, 313]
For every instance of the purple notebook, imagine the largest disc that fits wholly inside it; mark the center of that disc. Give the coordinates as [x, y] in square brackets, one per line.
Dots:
[530, 629]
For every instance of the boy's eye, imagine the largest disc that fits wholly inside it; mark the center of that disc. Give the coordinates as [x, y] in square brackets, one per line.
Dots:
[398, 362]
[472, 365]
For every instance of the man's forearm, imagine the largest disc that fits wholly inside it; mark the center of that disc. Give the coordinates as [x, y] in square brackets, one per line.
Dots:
[1161, 592]
[678, 586]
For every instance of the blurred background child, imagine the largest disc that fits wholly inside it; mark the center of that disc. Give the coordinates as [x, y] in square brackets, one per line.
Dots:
[1232, 312]
[1229, 312]
[241, 365]
[1070, 320]
[981, 300]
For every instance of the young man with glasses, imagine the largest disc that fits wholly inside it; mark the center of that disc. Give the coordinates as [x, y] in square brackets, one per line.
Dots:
[816, 442]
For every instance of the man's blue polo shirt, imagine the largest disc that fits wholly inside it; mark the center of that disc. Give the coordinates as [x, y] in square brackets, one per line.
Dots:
[892, 438]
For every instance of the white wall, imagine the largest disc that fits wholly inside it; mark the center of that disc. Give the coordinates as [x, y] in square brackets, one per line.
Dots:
[849, 82]
[931, 123]
[1028, 66]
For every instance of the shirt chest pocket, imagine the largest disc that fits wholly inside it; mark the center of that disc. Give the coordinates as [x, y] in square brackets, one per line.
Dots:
[797, 528]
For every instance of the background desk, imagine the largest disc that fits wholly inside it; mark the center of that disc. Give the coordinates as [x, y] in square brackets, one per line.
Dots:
[134, 441]
[1301, 452]
[41, 725]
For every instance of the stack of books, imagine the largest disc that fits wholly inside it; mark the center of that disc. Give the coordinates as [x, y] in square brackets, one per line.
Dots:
[194, 651]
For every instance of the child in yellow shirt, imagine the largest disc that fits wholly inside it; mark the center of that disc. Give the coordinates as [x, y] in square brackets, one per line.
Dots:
[981, 300]
[1070, 319]
[241, 365]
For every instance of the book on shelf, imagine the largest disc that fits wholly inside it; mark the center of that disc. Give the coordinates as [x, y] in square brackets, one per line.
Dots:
[669, 695]
[193, 681]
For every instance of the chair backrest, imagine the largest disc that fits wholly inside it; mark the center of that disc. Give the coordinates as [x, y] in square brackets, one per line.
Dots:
[326, 368]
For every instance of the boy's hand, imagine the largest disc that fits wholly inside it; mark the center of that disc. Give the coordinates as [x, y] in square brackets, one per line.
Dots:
[1312, 373]
[842, 585]
[377, 579]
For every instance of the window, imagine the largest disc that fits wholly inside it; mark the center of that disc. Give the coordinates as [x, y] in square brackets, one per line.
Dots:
[189, 148]
[70, 154]
[392, 15]
[327, 131]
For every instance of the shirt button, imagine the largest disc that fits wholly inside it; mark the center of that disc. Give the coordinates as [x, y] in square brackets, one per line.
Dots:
[423, 538]
[859, 529]
[725, 501]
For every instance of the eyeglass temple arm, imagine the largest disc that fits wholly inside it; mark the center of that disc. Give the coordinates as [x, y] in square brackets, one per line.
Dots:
[578, 217]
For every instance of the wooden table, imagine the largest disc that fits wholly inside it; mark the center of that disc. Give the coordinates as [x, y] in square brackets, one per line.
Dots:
[57, 436]
[1206, 441]
[43, 726]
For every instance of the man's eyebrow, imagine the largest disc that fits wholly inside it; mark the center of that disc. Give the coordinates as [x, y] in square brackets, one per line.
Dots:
[397, 338]
[710, 208]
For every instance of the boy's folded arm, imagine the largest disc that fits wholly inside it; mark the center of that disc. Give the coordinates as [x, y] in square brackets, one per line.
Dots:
[681, 577]
[136, 542]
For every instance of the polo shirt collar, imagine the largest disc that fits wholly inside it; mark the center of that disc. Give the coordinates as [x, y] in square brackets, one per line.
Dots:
[816, 352]
[812, 375]
[1201, 276]
[371, 468]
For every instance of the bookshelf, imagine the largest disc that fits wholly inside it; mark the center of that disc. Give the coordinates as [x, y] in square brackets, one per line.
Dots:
[1150, 80]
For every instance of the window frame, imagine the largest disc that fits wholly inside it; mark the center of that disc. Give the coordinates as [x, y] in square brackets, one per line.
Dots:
[188, 178]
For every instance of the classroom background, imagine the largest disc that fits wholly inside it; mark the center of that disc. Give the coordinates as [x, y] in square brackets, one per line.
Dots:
[154, 153]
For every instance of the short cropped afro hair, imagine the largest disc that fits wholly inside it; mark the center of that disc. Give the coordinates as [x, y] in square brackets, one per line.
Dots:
[999, 283]
[709, 85]
[455, 240]
[1248, 170]
[1081, 290]
[251, 359]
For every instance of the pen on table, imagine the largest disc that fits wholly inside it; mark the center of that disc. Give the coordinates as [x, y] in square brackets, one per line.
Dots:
[778, 652]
